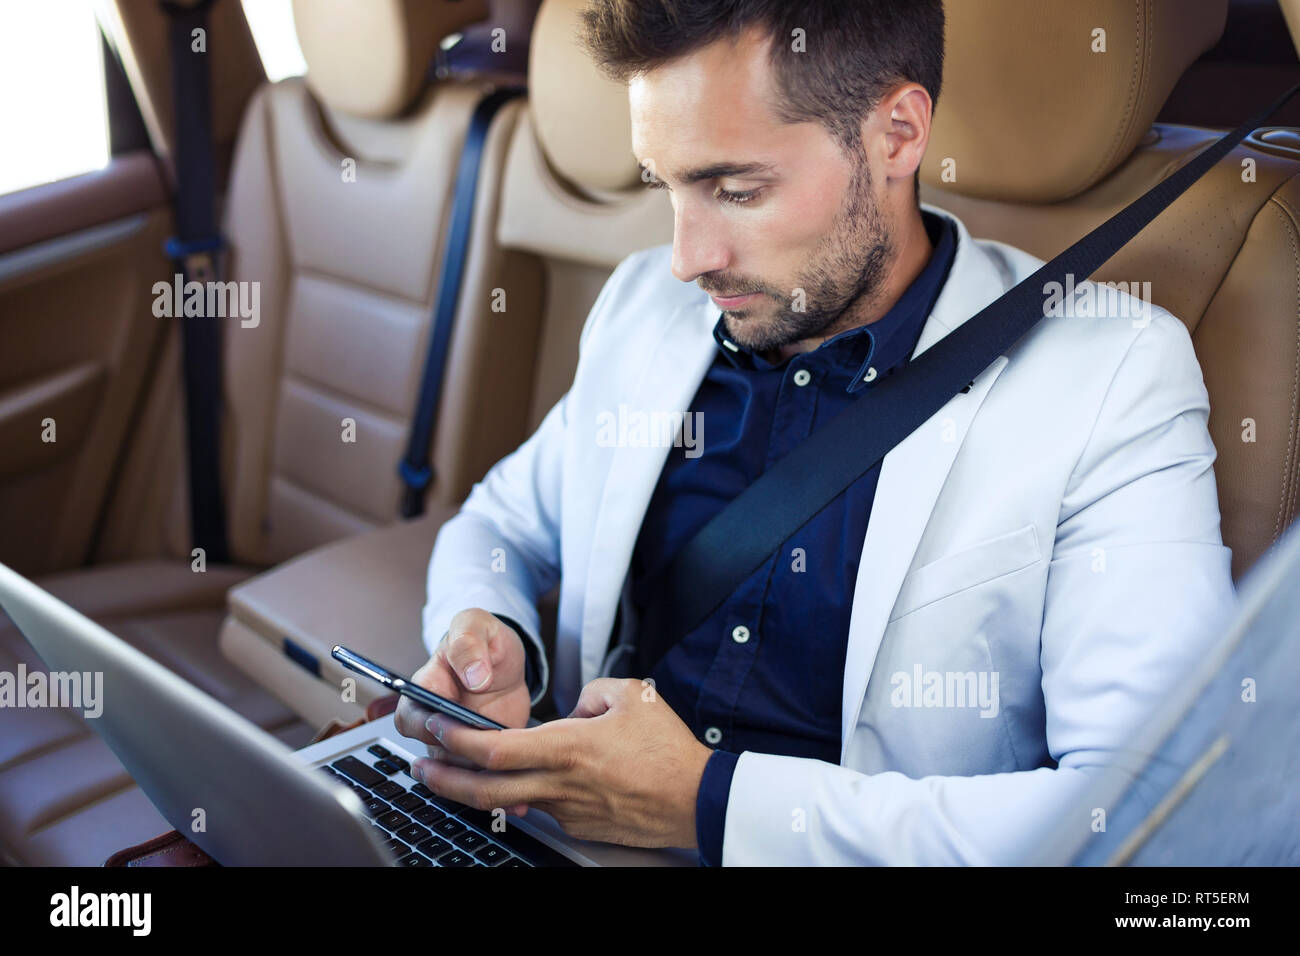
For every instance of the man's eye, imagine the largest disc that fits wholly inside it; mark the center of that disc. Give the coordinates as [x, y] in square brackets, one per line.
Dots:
[734, 197]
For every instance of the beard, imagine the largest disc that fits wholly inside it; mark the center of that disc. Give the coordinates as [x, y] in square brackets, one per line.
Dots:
[847, 267]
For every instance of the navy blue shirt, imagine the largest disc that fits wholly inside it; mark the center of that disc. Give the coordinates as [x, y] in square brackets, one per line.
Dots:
[765, 671]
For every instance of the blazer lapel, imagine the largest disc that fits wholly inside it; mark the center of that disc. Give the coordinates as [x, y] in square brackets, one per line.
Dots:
[673, 373]
[912, 475]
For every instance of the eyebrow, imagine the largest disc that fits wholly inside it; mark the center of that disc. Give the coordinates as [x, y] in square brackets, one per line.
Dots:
[720, 170]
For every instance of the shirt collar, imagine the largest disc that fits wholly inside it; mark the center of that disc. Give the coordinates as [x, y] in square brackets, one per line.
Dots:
[883, 345]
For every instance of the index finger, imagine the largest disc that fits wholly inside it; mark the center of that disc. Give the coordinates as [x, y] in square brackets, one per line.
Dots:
[544, 747]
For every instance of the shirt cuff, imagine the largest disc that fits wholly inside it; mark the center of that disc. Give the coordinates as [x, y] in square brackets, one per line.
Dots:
[531, 670]
[711, 806]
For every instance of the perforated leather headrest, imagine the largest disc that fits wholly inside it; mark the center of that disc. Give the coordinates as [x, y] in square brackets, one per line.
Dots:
[580, 115]
[369, 58]
[1042, 98]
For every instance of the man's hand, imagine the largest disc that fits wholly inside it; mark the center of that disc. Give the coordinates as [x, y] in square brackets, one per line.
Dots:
[622, 768]
[479, 663]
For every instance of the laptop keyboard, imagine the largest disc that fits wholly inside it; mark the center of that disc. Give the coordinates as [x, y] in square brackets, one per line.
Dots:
[421, 828]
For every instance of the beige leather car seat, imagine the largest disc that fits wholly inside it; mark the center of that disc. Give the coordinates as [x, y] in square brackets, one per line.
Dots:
[347, 269]
[1060, 136]
[570, 205]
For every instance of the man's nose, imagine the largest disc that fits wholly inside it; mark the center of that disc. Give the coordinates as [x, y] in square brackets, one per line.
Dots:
[698, 246]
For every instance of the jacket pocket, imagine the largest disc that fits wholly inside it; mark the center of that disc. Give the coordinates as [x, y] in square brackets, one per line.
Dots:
[968, 568]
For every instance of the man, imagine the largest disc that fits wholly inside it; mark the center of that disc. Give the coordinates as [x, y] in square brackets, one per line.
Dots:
[934, 663]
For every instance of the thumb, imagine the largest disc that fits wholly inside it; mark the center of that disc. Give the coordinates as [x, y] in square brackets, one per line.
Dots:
[467, 655]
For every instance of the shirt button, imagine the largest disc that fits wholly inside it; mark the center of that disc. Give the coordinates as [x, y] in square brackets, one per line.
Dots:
[870, 376]
[740, 634]
[712, 735]
[802, 377]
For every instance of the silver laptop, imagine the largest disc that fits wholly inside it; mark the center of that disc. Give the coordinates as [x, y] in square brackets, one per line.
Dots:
[345, 801]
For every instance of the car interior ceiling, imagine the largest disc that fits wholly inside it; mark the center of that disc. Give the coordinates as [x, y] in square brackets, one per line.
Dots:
[349, 275]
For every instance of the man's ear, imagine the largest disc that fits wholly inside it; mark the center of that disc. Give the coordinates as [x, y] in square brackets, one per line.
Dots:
[901, 126]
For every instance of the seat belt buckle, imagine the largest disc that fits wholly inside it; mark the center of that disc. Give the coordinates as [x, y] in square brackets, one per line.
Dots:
[200, 260]
[414, 481]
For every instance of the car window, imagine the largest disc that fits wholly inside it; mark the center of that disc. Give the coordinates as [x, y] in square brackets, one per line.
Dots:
[271, 22]
[53, 111]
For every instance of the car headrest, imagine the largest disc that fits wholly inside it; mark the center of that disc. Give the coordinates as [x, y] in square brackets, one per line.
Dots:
[1291, 11]
[580, 115]
[369, 58]
[1042, 98]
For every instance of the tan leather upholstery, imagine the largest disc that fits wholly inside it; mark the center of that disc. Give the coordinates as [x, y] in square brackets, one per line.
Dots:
[579, 210]
[346, 269]
[562, 242]
[591, 147]
[369, 57]
[365, 592]
[1054, 117]
[1223, 258]
[1291, 10]
[139, 33]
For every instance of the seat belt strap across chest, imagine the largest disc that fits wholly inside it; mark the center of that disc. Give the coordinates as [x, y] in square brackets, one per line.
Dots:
[743, 536]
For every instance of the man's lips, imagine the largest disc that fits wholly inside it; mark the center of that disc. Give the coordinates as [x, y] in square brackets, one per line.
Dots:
[734, 301]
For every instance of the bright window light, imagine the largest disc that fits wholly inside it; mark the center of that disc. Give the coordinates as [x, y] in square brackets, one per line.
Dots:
[53, 112]
[277, 41]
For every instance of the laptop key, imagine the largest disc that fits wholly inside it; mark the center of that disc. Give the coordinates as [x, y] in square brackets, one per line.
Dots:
[516, 840]
[434, 847]
[469, 840]
[397, 762]
[353, 768]
[389, 789]
[491, 854]
[397, 847]
[514, 861]
[414, 833]
[449, 805]
[376, 807]
[394, 820]
[378, 751]
[456, 858]
[414, 860]
[428, 815]
[420, 790]
[448, 828]
[409, 802]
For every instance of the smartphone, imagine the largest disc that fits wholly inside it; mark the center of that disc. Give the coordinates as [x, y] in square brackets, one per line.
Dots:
[404, 686]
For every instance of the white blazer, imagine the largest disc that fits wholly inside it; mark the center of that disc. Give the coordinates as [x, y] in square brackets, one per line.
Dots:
[1051, 538]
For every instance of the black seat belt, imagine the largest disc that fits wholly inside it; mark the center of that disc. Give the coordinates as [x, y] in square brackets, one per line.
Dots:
[415, 469]
[740, 538]
[194, 250]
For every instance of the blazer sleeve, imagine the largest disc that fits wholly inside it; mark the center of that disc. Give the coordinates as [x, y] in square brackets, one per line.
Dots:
[501, 551]
[1138, 589]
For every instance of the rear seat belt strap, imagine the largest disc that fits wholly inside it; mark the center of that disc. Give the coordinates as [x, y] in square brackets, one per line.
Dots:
[195, 251]
[740, 538]
[415, 470]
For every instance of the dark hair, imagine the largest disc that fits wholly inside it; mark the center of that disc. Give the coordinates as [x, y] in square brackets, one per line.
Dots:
[856, 50]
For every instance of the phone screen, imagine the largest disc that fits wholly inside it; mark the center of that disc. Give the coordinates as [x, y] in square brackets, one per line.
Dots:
[407, 688]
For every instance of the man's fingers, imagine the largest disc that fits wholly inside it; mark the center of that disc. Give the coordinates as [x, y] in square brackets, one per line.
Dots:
[546, 747]
[601, 695]
[438, 753]
[486, 790]
[409, 719]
